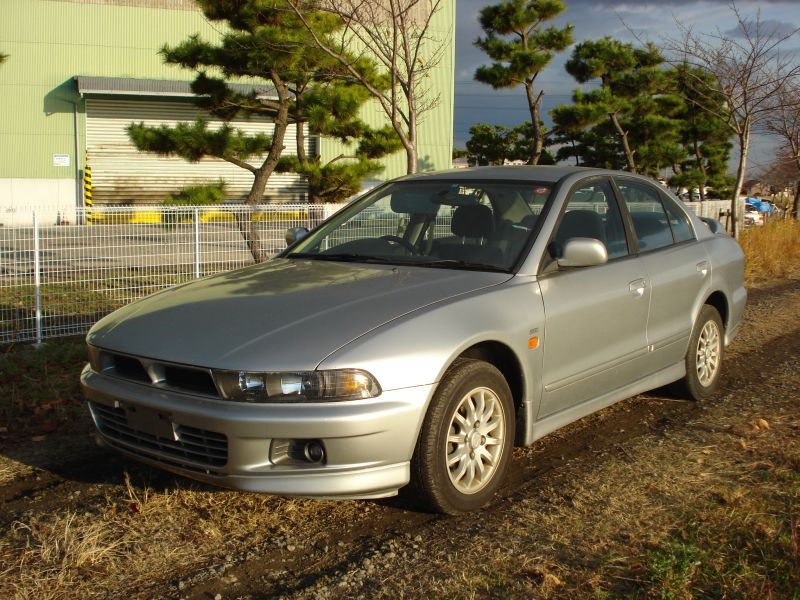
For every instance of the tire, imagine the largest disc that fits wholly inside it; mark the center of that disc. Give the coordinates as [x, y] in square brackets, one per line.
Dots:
[456, 466]
[703, 357]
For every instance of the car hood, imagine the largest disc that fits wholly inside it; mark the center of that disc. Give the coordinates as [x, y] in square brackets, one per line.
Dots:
[281, 315]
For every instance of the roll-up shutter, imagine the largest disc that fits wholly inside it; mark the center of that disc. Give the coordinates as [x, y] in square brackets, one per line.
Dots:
[123, 175]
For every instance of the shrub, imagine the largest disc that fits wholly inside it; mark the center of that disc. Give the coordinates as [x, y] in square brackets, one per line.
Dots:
[194, 195]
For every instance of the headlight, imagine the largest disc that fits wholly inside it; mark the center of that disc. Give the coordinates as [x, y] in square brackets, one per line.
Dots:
[304, 386]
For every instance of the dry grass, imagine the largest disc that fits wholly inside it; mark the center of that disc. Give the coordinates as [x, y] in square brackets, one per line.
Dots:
[711, 505]
[772, 251]
[144, 535]
[60, 553]
[712, 510]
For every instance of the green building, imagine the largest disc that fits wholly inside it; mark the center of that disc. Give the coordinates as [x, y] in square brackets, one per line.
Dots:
[79, 71]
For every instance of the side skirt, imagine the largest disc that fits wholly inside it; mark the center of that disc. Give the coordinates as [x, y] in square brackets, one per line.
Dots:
[565, 417]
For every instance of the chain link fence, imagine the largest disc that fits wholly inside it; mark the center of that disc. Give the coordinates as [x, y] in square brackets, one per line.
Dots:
[62, 270]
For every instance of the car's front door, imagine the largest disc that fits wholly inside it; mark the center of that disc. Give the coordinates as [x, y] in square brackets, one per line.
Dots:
[595, 317]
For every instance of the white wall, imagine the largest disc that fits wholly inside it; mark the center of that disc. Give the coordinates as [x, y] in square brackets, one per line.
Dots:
[20, 197]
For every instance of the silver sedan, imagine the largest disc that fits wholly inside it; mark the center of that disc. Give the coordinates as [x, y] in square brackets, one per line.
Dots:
[419, 334]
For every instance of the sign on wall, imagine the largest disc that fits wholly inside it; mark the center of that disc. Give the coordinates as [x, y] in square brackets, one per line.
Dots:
[60, 160]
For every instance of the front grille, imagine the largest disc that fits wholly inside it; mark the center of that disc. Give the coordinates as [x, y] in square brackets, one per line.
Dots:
[129, 368]
[196, 446]
[192, 380]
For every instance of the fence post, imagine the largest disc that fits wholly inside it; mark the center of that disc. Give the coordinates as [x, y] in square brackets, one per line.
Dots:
[37, 277]
[197, 243]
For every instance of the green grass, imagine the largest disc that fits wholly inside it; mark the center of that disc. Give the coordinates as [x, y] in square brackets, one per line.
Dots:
[672, 568]
[75, 302]
[39, 388]
[745, 541]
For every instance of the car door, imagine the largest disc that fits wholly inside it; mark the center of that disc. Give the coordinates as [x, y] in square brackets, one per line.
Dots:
[595, 317]
[677, 267]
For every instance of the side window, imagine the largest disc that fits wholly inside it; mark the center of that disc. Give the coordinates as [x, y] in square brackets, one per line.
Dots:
[678, 221]
[647, 213]
[592, 212]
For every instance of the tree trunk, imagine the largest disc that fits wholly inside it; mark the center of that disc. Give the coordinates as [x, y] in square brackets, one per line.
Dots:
[534, 105]
[250, 234]
[701, 165]
[410, 144]
[300, 137]
[624, 137]
[262, 175]
[744, 145]
[791, 211]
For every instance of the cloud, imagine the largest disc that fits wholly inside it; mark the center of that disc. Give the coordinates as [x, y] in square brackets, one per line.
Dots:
[651, 3]
[770, 27]
[650, 19]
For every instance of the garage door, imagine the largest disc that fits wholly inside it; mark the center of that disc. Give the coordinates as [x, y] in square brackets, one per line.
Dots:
[123, 175]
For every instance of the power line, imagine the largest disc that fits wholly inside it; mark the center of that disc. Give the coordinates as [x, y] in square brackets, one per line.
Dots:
[520, 96]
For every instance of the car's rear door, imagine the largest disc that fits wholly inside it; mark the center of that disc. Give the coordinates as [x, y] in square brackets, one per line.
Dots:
[596, 317]
[677, 267]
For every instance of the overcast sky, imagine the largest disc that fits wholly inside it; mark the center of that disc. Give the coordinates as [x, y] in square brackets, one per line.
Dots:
[476, 102]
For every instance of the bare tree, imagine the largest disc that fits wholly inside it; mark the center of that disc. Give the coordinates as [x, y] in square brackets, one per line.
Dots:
[398, 34]
[749, 72]
[784, 122]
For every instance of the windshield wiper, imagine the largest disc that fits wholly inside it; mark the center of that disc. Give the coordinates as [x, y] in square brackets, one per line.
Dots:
[338, 256]
[462, 264]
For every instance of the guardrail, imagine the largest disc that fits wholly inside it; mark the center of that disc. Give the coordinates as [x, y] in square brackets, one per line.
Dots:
[61, 270]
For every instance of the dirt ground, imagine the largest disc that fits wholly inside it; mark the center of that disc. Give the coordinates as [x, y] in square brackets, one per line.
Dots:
[653, 497]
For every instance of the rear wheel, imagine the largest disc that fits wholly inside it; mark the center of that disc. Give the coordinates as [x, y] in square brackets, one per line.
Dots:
[466, 440]
[704, 356]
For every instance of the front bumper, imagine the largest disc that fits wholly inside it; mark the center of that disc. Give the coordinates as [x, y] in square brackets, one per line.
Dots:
[368, 443]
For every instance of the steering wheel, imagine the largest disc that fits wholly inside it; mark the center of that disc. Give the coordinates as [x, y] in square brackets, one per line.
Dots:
[394, 239]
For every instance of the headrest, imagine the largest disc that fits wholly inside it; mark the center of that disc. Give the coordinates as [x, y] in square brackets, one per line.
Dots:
[581, 223]
[472, 221]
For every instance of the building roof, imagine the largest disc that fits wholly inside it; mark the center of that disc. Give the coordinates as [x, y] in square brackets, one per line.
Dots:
[127, 86]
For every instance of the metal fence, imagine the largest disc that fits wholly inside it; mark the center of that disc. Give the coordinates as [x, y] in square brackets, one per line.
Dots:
[61, 270]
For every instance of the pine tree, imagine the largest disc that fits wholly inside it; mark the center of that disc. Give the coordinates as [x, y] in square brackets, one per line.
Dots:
[597, 147]
[331, 110]
[267, 43]
[704, 135]
[634, 97]
[489, 144]
[520, 50]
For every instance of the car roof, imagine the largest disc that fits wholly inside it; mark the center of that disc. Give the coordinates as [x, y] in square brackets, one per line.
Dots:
[510, 172]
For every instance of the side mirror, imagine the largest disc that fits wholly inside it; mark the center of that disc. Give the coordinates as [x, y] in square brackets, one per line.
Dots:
[716, 226]
[583, 252]
[295, 234]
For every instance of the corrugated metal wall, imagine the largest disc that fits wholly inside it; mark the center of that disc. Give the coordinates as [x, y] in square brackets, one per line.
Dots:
[123, 175]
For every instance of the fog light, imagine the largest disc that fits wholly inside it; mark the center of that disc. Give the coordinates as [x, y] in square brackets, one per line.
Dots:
[314, 452]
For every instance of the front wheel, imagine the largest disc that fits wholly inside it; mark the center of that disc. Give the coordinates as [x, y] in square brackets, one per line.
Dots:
[466, 441]
[704, 356]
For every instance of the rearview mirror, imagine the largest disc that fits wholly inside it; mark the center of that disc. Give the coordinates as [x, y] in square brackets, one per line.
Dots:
[583, 252]
[295, 234]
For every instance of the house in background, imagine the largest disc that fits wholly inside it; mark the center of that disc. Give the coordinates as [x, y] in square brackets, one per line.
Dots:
[80, 71]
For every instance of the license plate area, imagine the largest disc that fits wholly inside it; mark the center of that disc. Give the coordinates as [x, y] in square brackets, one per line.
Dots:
[150, 421]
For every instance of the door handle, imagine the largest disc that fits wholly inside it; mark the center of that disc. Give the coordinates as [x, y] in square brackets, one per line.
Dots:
[702, 268]
[637, 287]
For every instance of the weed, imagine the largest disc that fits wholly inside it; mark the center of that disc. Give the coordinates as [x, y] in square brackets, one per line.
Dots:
[40, 384]
[772, 251]
[672, 568]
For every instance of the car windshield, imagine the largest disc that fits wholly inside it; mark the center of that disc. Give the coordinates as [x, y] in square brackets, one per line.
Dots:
[442, 224]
